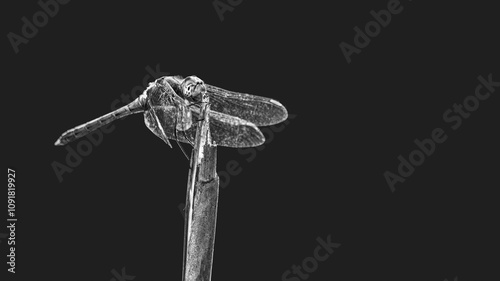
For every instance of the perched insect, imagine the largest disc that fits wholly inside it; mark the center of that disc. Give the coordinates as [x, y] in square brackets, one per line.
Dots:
[171, 107]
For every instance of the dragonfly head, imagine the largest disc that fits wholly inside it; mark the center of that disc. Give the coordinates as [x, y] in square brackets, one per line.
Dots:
[193, 87]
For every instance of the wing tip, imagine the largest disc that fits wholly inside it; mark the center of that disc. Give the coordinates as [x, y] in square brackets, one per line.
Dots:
[283, 115]
[276, 102]
[259, 138]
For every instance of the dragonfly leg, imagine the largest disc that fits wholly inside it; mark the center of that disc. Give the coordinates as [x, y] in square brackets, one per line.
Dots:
[186, 137]
[196, 103]
[184, 130]
[177, 139]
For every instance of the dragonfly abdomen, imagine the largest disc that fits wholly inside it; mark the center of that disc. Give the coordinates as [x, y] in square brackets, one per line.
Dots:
[79, 131]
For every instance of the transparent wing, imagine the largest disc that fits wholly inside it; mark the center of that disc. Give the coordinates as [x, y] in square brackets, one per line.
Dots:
[231, 131]
[225, 130]
[260, 111]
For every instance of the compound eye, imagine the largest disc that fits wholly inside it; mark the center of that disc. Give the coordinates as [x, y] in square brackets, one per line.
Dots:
[193, 86]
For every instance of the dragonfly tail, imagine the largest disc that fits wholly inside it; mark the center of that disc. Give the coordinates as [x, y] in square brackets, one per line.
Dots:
[136, 106]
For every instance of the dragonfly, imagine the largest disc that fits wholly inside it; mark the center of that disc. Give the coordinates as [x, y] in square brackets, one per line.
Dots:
[171, 106]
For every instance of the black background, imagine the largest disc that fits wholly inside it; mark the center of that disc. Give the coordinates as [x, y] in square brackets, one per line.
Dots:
[321, 175]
